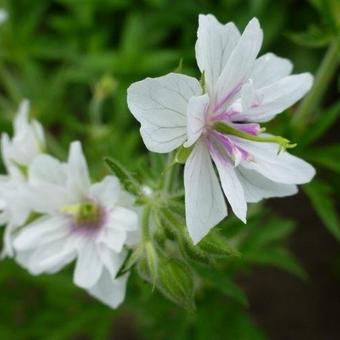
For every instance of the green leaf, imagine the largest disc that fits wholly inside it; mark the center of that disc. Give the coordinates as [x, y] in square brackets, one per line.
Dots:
[325, 120]
[278, 257]
[320, 195]
[129, 182]
[274, 230]
[313, 38]
[326, 156]
[221, 282]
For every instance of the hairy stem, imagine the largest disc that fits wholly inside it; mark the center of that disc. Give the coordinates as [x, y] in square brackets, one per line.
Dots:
[146, 223]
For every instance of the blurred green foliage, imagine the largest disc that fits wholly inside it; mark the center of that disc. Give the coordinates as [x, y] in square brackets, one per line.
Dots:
[74, 60]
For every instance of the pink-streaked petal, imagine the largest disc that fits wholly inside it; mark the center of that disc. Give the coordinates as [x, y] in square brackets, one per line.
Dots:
[277, 97]
[204, 202]
[281, 168]
[239, 66]
[270, 68]
[215, 42]
[196, 116]
[231, 185]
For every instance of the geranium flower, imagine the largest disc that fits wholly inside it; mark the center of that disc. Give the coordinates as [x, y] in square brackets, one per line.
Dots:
[220, 119]
[17, 154]
[78, 221]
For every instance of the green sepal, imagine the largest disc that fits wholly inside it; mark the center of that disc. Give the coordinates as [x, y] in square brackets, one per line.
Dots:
[130, 184]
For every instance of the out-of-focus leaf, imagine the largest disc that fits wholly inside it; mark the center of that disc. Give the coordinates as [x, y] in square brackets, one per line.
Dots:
[325, 120]
[326, 156]
[220, 281]
[320, 195]
[313, 38]
[278, 257]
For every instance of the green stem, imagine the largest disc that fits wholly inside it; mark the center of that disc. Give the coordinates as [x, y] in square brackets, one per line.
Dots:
[146, 224]
[322, 80]
[168, 172]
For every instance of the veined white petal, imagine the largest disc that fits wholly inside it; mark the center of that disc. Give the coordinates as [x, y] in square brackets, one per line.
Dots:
[231, 186]
[270, 68]
[204, 202]
[88, 267]
[281, 168]
[196, 117]
[78, 179]
[108, 290]
[106, 192]
[215, 42]
[256, 187]
[160, 105]
[277, 97]
[46, 169]
[239, 65]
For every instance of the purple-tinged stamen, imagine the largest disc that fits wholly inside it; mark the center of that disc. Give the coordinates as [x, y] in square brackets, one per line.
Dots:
[251, 128]
[218, 141]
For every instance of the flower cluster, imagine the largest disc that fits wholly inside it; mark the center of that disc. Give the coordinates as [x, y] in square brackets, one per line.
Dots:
[54, 215]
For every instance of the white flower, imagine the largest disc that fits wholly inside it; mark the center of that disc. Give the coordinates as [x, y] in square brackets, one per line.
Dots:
[89, 223]
[240, 91]
[17, 154]
[3, 16]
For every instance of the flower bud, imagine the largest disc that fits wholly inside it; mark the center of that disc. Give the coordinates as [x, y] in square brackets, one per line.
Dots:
[175, 281]
[217, 245]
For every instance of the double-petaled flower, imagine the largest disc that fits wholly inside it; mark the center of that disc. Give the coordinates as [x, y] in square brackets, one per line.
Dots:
[77, 221]
[219, 120]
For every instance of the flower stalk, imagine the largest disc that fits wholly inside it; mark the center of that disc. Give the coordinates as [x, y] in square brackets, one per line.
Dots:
[322, 79]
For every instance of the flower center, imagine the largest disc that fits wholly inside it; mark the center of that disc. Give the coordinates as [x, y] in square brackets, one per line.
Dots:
[86, 215]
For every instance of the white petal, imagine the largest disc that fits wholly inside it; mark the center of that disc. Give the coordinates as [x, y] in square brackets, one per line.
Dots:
[106, 192]
[21, 119]
[112, 260]
[88, 267]
[204, 202]
[160, 105]
[47, 169]
[77, 172]
[110, 291]
[196, 118]
[256, 187]
[215, 42]
[281, 168]
[123, 219]
[48, 258]
[270, 68]
[278, 96]
[112, 239]
[240, 64]
[47, 198]
[43, 230]
[231, 186]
